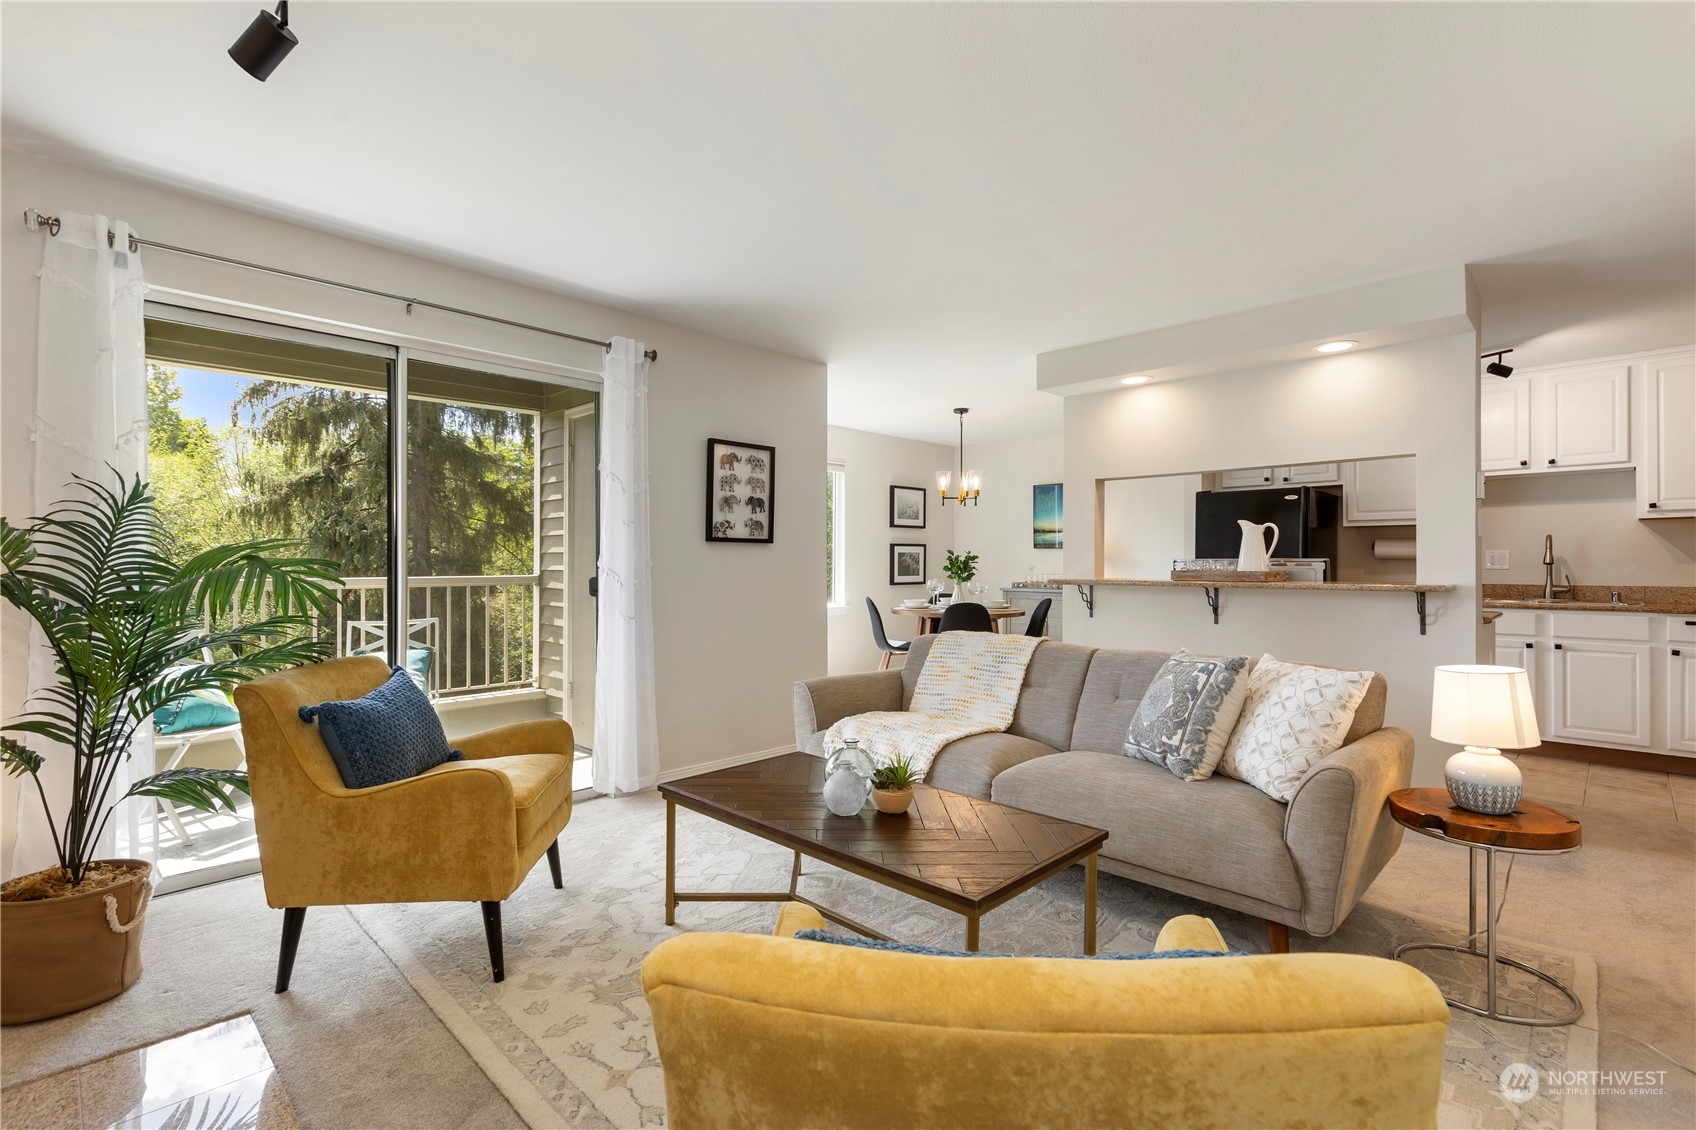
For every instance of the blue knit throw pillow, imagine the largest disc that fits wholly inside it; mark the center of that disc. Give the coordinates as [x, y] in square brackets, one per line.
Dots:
[858, 942]
[388, 735]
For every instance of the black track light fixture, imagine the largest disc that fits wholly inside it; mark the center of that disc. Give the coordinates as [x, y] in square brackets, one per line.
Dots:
[266, 42]
[1496, 368]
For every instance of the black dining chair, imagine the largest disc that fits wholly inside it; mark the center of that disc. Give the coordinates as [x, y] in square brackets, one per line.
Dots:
[890, 650]
[1039, 617]
[966, 617]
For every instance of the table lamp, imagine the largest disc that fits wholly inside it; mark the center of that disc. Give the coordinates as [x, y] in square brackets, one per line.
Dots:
[1483, 708]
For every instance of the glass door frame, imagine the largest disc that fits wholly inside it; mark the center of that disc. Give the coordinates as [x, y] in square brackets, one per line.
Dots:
[169, 305]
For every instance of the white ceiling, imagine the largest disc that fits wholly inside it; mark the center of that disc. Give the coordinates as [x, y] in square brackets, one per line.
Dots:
[923, 196]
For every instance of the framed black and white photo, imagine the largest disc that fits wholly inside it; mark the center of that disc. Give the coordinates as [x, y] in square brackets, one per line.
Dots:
[907, 507]
[906, 564]
[740, 480]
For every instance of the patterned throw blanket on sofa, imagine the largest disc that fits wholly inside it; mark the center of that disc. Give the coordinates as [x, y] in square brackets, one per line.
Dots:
[969, 685]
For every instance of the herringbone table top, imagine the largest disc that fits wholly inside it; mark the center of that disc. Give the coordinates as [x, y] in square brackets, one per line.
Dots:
[949, 848]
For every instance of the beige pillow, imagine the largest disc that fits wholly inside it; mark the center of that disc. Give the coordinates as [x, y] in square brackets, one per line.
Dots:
[1295, 717]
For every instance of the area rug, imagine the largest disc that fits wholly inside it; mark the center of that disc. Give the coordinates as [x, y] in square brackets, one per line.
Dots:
[567, 1036]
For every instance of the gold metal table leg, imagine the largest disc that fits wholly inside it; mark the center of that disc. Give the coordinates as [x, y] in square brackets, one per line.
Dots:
[795, 875]
[670, 863]
[1089, 904]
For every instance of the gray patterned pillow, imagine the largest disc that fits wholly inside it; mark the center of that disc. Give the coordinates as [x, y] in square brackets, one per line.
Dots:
[1188, 713]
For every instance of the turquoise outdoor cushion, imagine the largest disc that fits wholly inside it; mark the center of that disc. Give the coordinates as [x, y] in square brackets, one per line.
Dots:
[201, 710]
[417, 663]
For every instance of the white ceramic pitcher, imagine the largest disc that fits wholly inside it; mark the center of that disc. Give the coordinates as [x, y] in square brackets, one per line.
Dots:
[1255, 556]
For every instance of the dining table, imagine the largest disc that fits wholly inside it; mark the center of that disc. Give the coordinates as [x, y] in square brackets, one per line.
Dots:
[930, 615]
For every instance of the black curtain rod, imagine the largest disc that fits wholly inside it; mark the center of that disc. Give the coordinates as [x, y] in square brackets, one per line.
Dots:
[34, 219]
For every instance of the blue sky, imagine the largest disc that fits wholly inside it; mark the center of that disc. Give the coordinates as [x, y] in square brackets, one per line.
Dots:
[208, 395]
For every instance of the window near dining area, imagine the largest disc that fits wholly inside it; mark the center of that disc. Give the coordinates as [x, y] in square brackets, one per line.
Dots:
[835, 488]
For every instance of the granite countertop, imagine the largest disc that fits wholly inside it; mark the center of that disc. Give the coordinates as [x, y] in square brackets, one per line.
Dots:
[1273, 586]
[1660, 600]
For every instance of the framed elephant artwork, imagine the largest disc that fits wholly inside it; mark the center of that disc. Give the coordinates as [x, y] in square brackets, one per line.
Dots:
[740, 481]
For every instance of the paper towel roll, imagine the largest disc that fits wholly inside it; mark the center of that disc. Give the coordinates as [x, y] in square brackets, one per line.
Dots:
[1393, 549]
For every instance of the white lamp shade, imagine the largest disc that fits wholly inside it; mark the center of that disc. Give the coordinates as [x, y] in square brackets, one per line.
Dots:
[1478, 705]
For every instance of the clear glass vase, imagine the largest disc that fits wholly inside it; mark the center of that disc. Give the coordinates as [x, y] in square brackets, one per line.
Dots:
[848, 779]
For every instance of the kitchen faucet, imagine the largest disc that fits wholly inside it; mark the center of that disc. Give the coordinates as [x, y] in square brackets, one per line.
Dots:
[1549, 586]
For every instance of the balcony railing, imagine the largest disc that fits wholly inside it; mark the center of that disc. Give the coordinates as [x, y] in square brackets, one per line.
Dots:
[480, 632]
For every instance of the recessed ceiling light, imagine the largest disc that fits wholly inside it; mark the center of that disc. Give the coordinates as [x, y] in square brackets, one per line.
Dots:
[1335, 346]
[1134, 380]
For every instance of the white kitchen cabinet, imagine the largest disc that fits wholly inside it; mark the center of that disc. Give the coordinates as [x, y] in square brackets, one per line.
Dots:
[1246, 478]
[1681, 698]
[1527, 654]
[1666, 473]
[1600, 692]
[1308, 474]
[1583, 417]
[1504, 423]
[1380, 492]
[1620, 679]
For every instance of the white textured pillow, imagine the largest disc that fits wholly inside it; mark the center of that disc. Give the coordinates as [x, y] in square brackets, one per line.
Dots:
[1295, 717]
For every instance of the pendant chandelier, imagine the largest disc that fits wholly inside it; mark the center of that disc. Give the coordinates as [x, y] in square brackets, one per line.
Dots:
[970, 482]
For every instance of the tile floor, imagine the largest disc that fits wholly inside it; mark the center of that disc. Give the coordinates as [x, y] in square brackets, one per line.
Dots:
[217, 1076]
[1627, 792]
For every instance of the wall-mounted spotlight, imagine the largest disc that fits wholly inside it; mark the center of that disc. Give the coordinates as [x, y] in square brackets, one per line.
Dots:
[1496, 368]
[266, 42]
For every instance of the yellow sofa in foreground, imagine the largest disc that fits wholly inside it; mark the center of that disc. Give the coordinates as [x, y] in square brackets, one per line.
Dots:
[466, 831]
[781, 1032]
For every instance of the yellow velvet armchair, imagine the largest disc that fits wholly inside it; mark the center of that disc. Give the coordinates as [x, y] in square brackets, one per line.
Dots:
[775, 1032]
[464, 831]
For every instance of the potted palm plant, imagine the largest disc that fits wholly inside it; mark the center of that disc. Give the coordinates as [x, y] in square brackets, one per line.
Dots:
[892, 785]
[129, 631]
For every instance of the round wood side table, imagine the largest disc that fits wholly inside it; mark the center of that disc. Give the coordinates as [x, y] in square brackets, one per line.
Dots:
[1532, 829]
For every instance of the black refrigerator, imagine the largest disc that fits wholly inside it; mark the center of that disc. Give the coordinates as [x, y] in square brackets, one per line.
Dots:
[1306, 518]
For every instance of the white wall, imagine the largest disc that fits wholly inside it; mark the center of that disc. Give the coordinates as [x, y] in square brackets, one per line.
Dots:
[1146, 524]
[724, 664]
[1593, 517]
[1418, 397]
[873, 463]
[998, 528]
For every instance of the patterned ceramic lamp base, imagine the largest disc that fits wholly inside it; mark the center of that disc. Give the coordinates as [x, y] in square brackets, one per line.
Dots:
[1492, 800]
[1480, 779]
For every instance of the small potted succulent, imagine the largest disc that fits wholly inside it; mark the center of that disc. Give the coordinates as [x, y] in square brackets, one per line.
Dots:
[892, 785]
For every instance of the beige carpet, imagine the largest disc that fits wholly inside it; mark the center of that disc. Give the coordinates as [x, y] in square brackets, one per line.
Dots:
[357, 1047]
[567, 1036]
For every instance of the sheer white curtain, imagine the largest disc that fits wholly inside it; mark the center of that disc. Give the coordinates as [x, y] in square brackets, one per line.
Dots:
[626, 733]
[90, 412]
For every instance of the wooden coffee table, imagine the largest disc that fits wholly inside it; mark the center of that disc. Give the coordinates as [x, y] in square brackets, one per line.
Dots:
[951, 850]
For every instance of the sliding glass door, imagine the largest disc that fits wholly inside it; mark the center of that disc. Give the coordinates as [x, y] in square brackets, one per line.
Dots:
[260, 434]
[500, 522]
[465, 524]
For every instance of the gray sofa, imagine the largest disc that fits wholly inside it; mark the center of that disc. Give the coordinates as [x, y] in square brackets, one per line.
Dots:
[1303, 864]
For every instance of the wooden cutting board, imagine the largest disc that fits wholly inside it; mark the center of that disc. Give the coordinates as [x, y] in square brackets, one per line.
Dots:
[1267, 578]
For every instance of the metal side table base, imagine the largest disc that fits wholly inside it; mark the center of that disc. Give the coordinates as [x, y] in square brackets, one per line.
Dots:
[1492, 959]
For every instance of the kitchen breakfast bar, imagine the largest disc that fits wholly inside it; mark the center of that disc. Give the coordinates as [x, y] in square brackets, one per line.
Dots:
[1211, 587]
